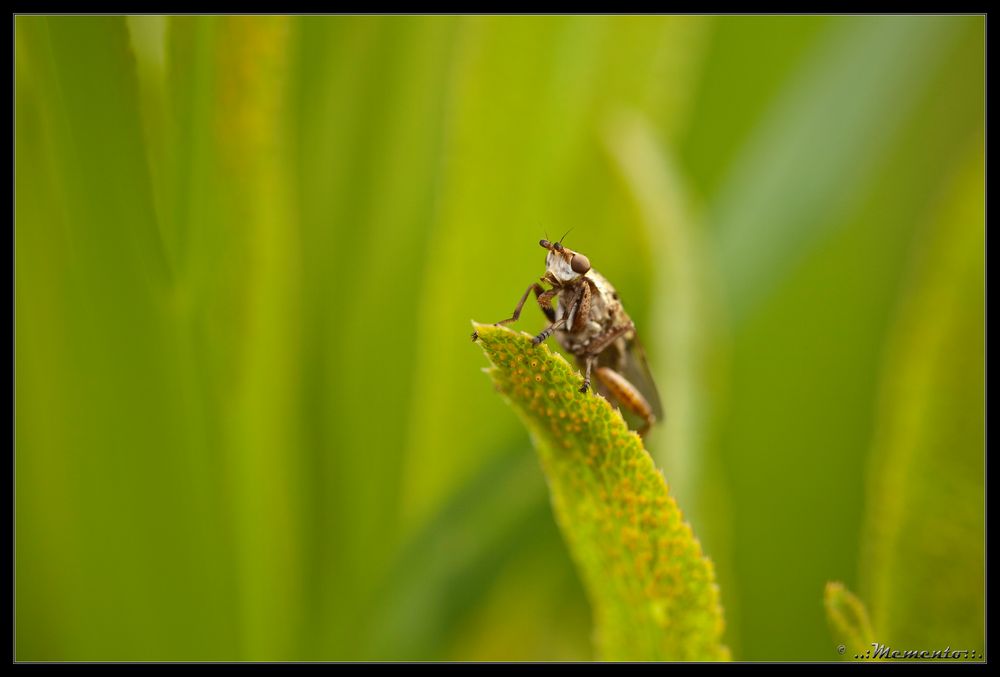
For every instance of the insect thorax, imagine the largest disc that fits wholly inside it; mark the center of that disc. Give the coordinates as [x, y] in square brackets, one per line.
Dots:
[605, 312]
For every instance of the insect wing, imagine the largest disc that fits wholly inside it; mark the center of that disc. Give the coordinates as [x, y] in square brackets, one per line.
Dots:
[636, 370]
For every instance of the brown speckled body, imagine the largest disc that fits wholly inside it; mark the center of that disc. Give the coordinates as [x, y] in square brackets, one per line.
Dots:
[603, 312]
[590, 323]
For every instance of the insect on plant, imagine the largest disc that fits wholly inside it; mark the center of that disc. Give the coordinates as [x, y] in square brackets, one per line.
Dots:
[591, 324]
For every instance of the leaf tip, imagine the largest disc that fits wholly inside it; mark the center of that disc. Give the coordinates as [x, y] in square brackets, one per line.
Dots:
[848, 616]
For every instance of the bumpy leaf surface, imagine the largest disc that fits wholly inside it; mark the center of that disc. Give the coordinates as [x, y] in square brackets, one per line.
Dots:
[652, 589]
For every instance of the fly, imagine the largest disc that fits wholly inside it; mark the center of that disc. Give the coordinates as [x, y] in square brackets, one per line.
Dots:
[591, 324]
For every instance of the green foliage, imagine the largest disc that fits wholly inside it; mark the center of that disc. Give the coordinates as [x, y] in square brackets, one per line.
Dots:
[808, 337]
[115, 472]
[248, 426]
[848, 619]
[925, 557]
[653, 591]
[924, 566]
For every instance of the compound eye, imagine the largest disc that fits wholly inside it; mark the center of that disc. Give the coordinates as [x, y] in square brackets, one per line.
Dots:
[557, 246]
[545, 243]
[580, 264]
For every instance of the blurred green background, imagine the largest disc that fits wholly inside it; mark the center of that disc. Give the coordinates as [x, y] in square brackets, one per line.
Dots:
[250, 423]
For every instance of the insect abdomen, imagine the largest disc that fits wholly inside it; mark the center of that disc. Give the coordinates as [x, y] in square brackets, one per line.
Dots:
[625, 392]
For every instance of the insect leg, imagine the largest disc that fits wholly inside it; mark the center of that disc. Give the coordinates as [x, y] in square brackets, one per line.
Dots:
[582, 315]
[604, 340]
[547, 332]
[628, 395]
[598, 344]
[586, 379]
[545, 302]
[539, 293]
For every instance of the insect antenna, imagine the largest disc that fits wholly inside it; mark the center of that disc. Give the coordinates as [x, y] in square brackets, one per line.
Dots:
[565, 234]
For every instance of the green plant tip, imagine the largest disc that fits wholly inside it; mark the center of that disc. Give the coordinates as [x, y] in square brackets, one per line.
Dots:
[651, 588]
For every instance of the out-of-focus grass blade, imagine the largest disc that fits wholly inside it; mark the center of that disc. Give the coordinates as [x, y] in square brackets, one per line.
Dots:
[806, 164]
[255, 263]
[368, 97]
[924, 571]
[111, 481]
[747, 63]
[194, 224]
[438, 578]
[804, 363]
[148, 42]
[534, 608]
[92, 106]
